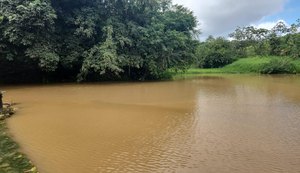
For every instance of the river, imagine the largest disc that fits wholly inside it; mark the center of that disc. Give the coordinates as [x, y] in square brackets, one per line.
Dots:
[213, 124]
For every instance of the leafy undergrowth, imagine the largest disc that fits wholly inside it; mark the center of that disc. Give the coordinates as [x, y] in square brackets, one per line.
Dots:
[297, 65]
[12, 161]
[264, 65]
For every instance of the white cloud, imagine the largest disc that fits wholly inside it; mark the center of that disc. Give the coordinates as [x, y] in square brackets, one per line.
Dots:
[220, 17]
[269, 25]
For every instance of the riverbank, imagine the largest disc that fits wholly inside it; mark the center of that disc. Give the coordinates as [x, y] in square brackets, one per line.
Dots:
[252, 65]
[11, 160]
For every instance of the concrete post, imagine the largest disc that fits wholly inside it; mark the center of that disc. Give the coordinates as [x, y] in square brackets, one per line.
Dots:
[1, 102]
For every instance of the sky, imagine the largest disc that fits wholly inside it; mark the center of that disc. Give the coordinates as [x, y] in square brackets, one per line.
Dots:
[221, 17]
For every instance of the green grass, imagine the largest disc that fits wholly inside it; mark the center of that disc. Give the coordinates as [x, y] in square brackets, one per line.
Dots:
[11, 160]
[252, 65]
[193, 72]
[247, 65]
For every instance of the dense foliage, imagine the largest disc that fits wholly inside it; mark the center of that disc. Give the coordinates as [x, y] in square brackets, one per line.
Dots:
[279, 66]
[94, 39]
[215, 53]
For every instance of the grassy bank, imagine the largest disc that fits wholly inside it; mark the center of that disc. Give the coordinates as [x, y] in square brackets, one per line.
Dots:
[11, 160]
[252, 65]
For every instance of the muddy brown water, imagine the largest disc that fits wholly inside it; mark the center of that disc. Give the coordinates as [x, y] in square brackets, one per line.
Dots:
[225, 124]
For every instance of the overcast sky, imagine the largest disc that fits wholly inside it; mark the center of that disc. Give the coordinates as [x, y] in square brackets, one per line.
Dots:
[220, 17]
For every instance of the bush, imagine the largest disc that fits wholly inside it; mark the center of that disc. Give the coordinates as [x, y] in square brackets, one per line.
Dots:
[215, 53]
[216, 60]
[279, 66]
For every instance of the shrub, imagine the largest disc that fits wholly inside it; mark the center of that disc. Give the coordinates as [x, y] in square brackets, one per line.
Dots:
[279, 66]
[215, 53]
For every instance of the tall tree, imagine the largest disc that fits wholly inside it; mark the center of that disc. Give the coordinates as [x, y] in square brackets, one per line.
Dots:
[136, 39]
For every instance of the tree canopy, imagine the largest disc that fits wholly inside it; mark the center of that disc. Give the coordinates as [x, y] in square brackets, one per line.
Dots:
[281, 40]
[95, 39]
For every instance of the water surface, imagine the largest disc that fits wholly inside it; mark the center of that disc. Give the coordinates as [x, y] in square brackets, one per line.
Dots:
[225, 124]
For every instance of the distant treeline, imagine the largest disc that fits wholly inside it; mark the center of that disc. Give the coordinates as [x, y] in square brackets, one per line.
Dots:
[281, 40]
[94, 39]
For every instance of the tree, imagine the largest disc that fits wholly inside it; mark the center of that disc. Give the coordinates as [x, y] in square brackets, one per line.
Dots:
[26, 28]
[102, 58]
[137, 39]
[215, 53]
[281, 40]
